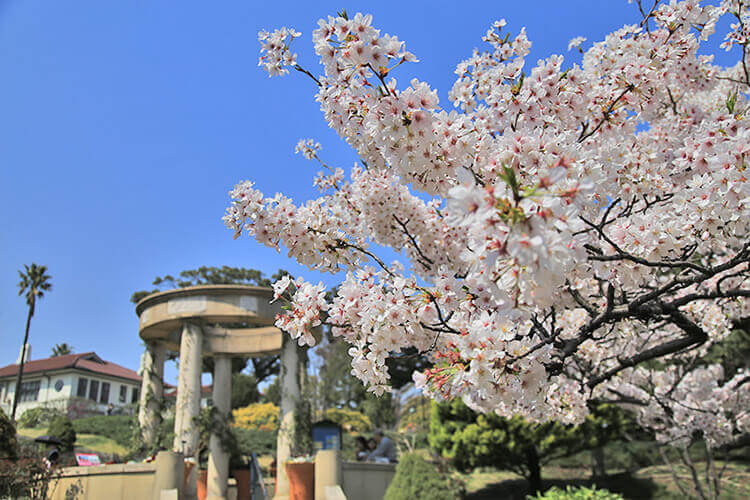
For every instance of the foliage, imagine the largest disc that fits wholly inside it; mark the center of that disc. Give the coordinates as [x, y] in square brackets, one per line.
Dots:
[415, 414]
[257, 416]
[337, 387]
[471, 439]
[272, 394]
[417, 479]
[733, 354]
[24, 478]
[62, 349]
[117, 427]
[379, 409]
[62, 428]
[8, 439]
[260, 442]
[532, 289]
[34, 282]
[265, 366]
[580, 493]
[209, 421]
[302, 443]
[244, 390]
[39, 416]
[204, 275]
[349, 420]
[164, 440]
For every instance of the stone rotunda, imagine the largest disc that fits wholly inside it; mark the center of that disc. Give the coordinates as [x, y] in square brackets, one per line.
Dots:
[220, 321]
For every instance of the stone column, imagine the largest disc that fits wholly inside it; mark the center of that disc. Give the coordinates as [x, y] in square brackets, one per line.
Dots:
[188, 403]
[170, 473]
[152, 391]
[218, 460]
[327, 472]
[290, 394]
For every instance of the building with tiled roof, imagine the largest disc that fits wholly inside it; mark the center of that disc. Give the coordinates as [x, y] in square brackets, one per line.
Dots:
[74, 383]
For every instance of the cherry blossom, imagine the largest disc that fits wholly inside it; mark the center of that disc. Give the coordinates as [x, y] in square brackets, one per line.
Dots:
[560, 224]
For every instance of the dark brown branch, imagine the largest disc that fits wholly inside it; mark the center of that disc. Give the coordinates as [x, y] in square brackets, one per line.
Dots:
[413, 241]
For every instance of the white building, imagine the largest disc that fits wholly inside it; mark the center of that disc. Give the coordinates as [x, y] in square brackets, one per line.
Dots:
[78, 384]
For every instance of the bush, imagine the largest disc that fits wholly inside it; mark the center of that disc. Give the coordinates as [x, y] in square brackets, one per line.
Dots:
[255, 441]
[24, 478]
[258, 416]
[349, 420]
[62, 428]
[580, 493]
[38, 417]
[8, 441]
[417, 479]
[116, 427]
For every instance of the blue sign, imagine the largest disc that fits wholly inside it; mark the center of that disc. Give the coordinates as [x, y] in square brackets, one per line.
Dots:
[326, 435]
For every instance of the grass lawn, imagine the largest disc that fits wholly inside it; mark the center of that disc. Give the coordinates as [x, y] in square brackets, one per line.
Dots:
[651, 482]
[84, 442]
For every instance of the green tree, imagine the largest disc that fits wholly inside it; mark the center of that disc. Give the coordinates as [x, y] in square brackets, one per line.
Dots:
[62, 428]
[379, 409]
[337, 387]
[471, 439]
[204, 275]
[272, 394]
[34, 282]
[244, 390]
[62, 349]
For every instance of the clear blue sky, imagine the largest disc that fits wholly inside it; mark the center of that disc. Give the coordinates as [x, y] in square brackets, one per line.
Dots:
[124, 124]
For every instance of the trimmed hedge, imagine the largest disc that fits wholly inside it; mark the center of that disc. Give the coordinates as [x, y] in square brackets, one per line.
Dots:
[417, 479]
[117, 427]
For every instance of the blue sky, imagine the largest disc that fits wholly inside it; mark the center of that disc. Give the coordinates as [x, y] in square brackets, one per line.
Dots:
[123, 125]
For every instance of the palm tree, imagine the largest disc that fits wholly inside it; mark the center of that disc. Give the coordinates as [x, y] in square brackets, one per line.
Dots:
[34, 282]
[62, 349]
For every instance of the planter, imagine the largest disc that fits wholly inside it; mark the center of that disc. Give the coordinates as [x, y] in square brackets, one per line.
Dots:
[242, 476]
[301, 477]
[202, 487]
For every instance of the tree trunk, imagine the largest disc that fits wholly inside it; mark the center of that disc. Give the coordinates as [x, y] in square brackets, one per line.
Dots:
[598, 468]
[19, 377]
[535, 471]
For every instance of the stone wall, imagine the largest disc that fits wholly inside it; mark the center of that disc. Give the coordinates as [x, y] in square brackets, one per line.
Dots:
[366, 480]
[111, 482]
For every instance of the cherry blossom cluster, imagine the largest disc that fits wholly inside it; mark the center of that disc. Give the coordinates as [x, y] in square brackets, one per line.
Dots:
[560, 224]
[275, 54]
[681, 404]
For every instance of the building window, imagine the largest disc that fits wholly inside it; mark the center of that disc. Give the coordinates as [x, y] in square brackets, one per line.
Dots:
[93, 390]
[104, 396]
[82, 386]
[29, 391]
[135, 395]
[123, 393]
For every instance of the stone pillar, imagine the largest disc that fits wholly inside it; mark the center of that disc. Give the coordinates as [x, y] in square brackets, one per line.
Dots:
[327, 472]
[290, 394]
[218, 460]
[170, 473]
[188, 403]
[152, 391]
